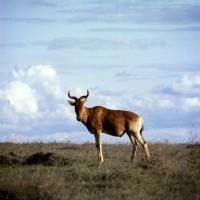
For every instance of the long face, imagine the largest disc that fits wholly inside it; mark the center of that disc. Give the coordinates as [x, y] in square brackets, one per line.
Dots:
[79, 109]
[79, 105]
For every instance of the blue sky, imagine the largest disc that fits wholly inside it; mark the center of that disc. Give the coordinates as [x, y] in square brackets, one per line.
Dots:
[141, 56]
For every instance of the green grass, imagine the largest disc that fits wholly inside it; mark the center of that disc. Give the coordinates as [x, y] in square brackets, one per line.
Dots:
[71, 171]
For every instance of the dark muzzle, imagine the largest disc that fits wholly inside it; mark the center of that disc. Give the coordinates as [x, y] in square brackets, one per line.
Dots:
[78, 118]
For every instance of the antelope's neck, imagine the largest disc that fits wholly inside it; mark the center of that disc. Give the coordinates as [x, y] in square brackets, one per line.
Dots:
[86, 114]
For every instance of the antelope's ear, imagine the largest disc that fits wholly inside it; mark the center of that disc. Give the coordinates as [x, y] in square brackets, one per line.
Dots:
[84, 101]
[71, 103]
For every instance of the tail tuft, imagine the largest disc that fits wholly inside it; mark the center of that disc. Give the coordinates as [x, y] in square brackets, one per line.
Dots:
[142, 127]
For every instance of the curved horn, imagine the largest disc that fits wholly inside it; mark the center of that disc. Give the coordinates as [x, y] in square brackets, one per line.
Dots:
[71, 97]
[86, 96]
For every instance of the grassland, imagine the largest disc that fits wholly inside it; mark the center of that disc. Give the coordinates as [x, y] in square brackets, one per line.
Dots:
[70, 171]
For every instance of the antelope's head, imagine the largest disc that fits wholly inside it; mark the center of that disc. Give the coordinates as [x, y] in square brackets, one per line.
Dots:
[79, 105]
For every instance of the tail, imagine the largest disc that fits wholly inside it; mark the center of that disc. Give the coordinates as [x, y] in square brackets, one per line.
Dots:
[142, 127]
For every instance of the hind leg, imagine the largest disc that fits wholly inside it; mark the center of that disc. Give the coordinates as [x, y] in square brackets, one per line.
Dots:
[134, 143]
[141, 140]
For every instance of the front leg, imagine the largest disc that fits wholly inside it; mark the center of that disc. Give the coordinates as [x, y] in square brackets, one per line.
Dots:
[99, 145]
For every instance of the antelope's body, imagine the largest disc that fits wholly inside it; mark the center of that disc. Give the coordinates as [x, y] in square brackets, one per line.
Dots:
[112, 122]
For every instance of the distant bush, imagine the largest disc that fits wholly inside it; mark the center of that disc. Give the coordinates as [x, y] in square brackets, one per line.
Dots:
[39, 158]
[8, 160]
[46, 159]
[4, 160]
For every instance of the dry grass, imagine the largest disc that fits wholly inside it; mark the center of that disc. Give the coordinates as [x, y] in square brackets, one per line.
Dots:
[71, 171]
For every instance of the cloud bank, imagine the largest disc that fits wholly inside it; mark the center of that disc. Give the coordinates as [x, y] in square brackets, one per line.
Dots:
[34, 107]
[33, 100]
[91, 44]
[138, 12]
[187, 92]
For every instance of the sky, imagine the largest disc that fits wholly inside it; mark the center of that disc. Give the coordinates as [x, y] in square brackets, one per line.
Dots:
[135, 55]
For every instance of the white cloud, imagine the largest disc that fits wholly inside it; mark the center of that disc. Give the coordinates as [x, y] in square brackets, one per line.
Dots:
[11, 128]
[64, 111]
[34, 107]
[186, 85]
[40, 76]
[21, 137]
[54, 137]
[7, 115]
[33, 96]
[79, 92]
[184, 93]
[172, 134]
[21, 96]
[45, 71]
[58, 137]
[109, 102]
[166, 103]
[98, 97]
[137, 102]
[143, 102]
[191, 103]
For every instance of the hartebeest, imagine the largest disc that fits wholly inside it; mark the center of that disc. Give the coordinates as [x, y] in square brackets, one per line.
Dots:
[113, 122]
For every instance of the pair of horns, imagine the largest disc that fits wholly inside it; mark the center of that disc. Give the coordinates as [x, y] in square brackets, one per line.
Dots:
[75, 98]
